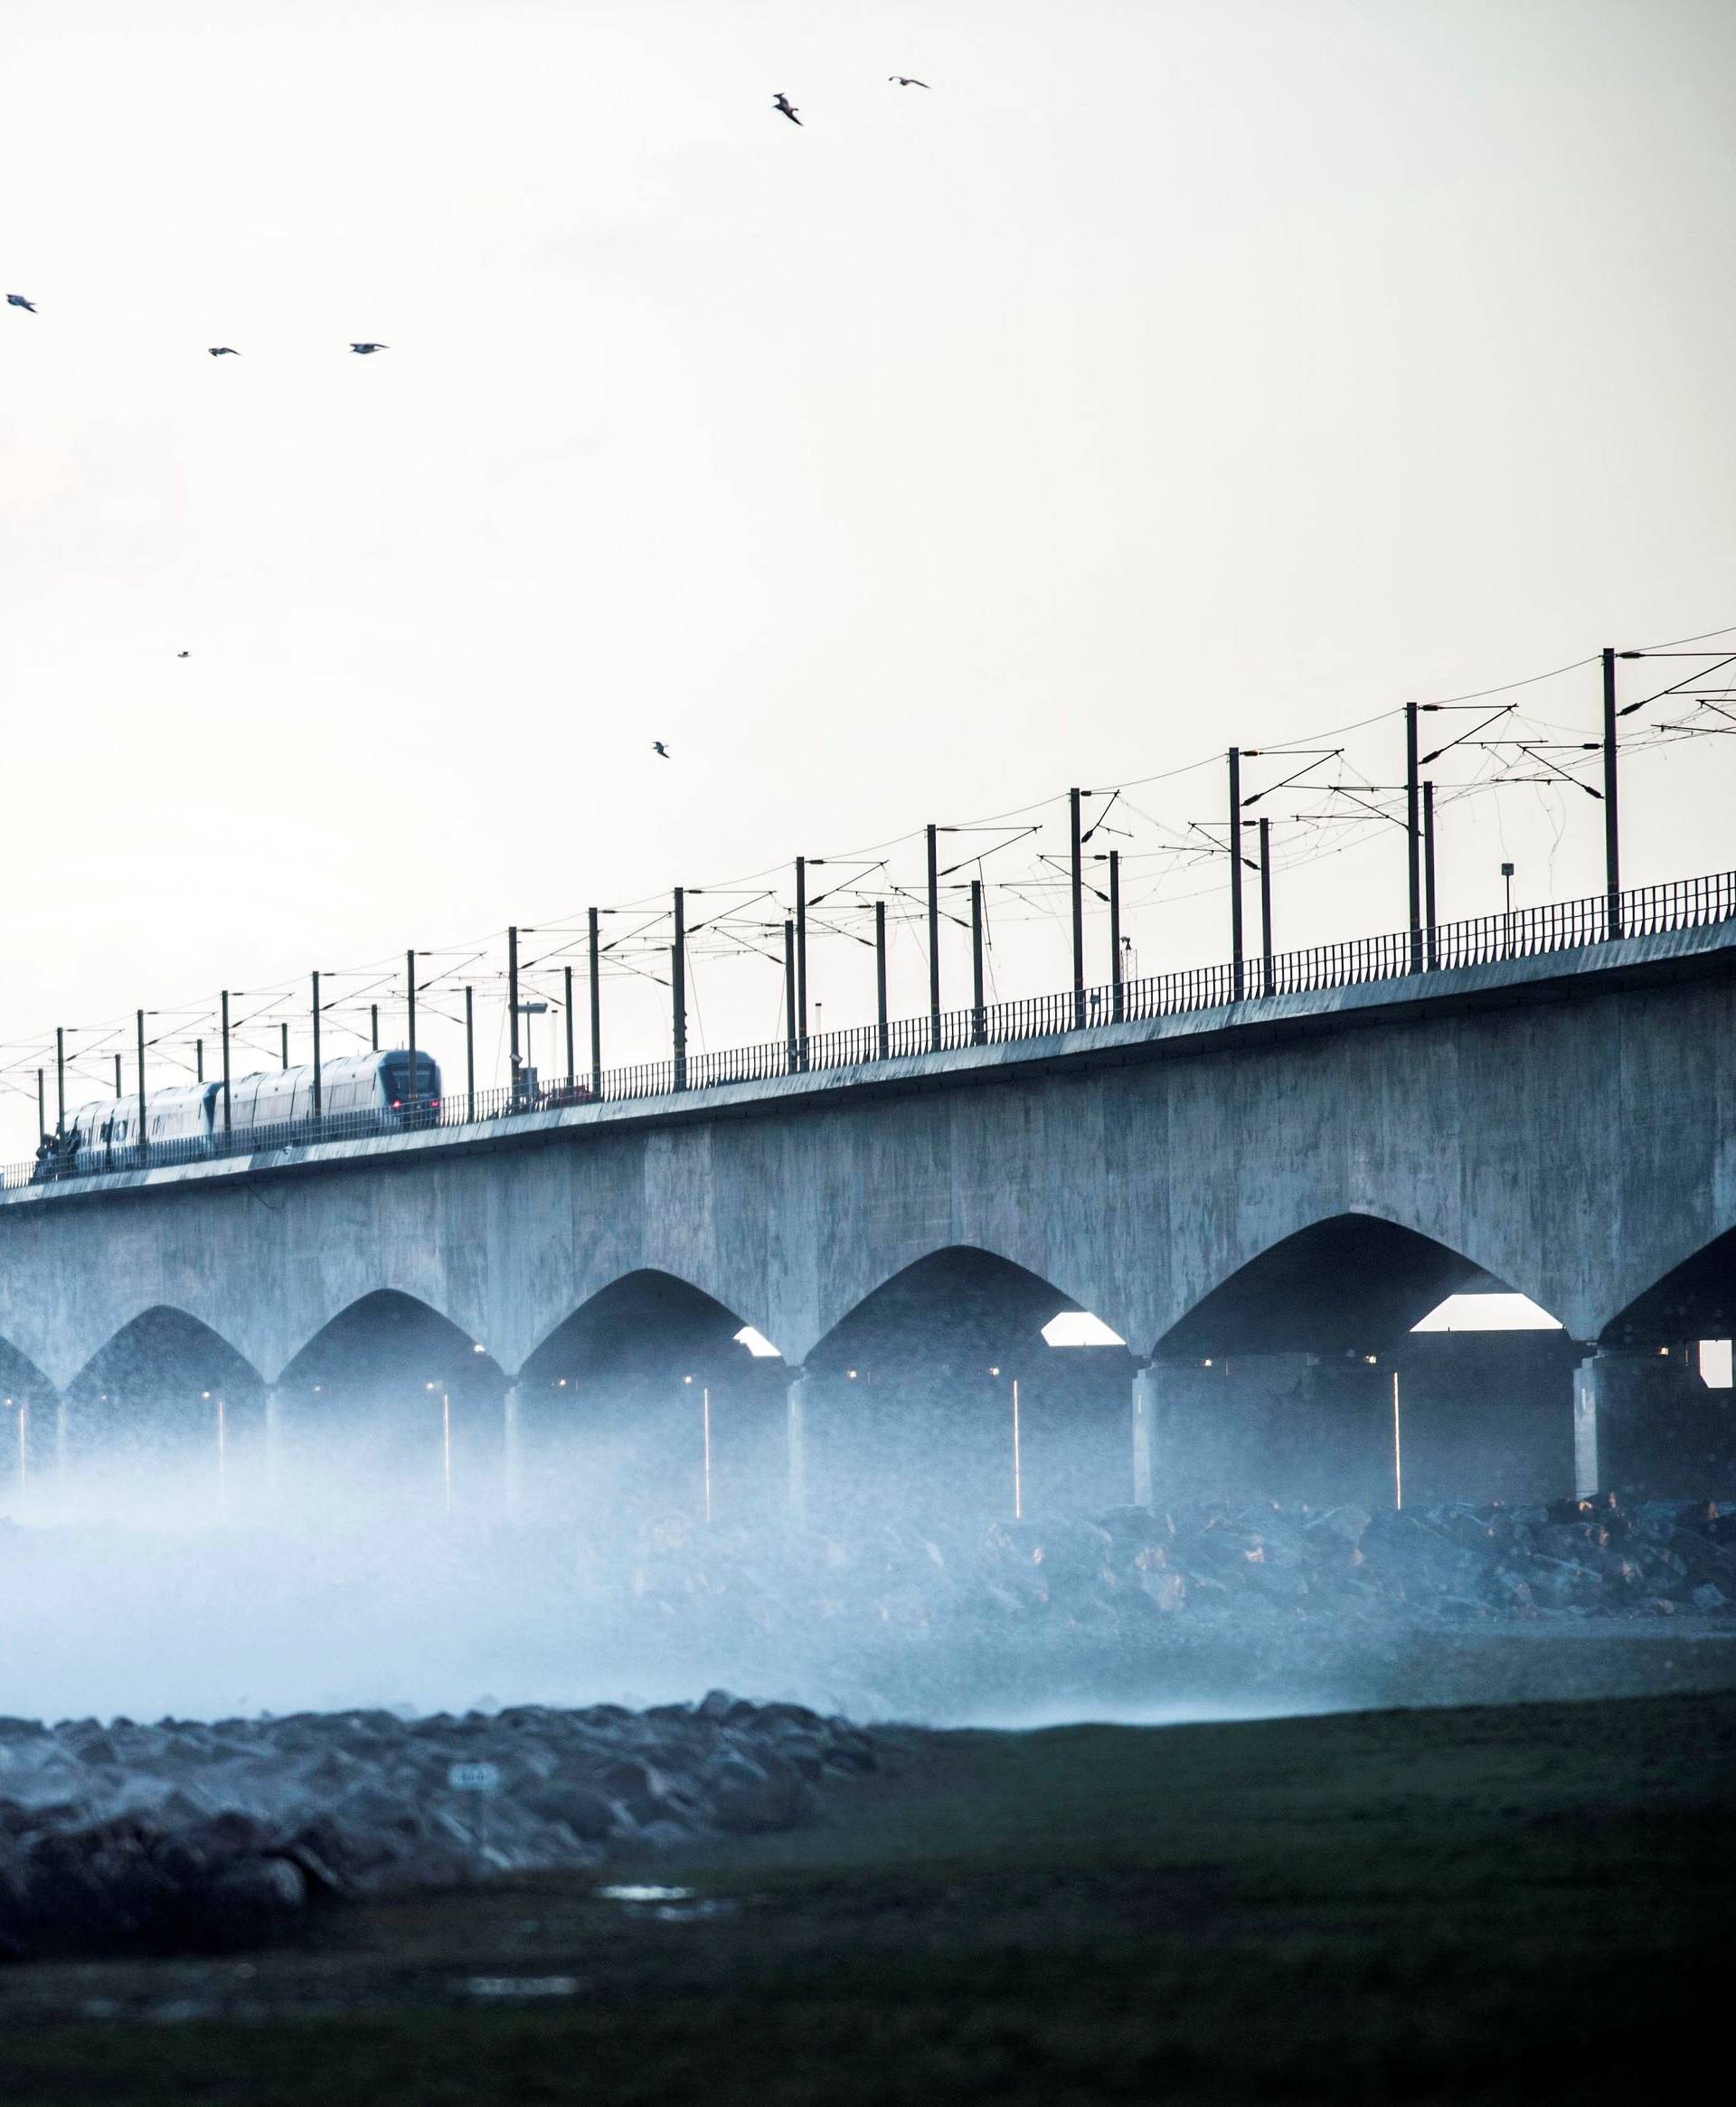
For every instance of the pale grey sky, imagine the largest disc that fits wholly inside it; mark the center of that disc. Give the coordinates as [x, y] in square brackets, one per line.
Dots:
[1170, 374]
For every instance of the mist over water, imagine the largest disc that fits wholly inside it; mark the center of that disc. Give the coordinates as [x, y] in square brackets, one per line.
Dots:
[397, 1523]
[394, 1551]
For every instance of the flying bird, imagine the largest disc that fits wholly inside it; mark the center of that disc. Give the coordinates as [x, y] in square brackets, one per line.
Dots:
[365, 348]
[222, 351]
[184, 654]
[18, 300]
[658, 747]
[906, 80]
[781, 101]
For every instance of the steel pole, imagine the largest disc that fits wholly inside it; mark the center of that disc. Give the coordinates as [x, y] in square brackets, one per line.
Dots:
[411, 1091]
[801, 958]
[118, 1092]
[789, 996]
[934, 942]
[228, 1126]
[1118, 1001]
[596, 1009]
[1431, 923]
[566, 978]
[143, 1130]
[373, 1025]
[59, 1080]
[512, 1004]
[1266, 906]
[678, 988]
[1412, 837]
[1078, 908]
[1612, 820]
[283, 1039]
[318, 1080]
[42, 1106]
[881, 1025]
[977, 1033]
[1236, 978]
[470, 1053]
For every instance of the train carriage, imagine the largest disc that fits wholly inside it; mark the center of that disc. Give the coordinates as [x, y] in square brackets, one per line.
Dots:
[360, 1093]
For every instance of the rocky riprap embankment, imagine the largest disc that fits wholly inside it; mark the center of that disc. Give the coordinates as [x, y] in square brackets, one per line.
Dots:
[180, 1835]
[1127, 1573]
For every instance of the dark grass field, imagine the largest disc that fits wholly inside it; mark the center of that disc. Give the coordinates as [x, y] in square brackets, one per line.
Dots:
[1512, 1904]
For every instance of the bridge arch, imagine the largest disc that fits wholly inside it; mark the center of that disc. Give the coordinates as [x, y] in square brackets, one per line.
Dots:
[1664, 1407]
[937, 1396]
[1303, 1372]
[391, 1405]
[28, 1402]
[653, 1400]
[1695, 1298]
[166, 1416]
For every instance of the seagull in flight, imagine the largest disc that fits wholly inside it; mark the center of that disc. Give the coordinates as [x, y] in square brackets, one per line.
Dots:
[658, 747]
[18, 300]
[781, 101]
[365, 348]
[906, 80]
[184, 654]
[222, 351]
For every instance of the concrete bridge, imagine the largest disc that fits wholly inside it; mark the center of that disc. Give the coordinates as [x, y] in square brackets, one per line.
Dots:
[1260, 1200]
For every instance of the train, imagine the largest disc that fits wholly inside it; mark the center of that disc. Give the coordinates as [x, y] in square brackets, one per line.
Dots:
[370, 1093]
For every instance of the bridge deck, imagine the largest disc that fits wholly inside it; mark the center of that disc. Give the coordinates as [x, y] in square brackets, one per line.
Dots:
[1549, 976]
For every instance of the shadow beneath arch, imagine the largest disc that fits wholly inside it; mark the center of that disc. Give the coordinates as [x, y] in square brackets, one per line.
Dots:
[1665, 1410]
[28, 1415]
[644, 1405]
[1301, 1377]
[911, 1409]
[392, 1406]
[165, 1422]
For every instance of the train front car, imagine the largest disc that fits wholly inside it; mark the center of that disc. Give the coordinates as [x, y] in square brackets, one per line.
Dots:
[359, 1094]
[411, 1098]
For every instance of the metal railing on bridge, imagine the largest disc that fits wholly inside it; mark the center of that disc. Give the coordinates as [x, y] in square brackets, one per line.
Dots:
[1487, 940]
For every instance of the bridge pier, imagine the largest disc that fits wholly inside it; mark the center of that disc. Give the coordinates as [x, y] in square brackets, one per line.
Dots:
[795, 1431]
[512, 1452]
[273, 1446]
[1145, 1431]
[1587, 1383]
